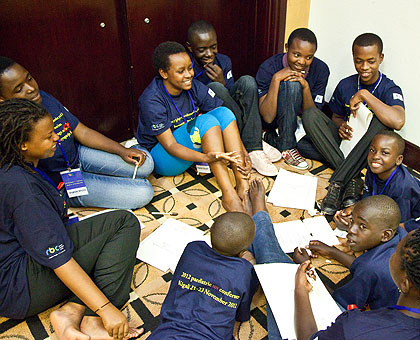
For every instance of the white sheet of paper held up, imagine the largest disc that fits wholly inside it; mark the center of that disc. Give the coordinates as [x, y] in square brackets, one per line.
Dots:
[278, 283]
[360, 124]
[291, 190]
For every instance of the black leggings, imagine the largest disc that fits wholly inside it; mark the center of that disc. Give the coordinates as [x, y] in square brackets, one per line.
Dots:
[105, 247]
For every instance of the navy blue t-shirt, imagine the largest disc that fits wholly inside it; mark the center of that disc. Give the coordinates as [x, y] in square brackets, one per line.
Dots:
[64, 124]
[384, 324]
[403, 188]
[371, 282]
[221, 60]
[157, 112]
[387, 92]
[31, 224]
[317, 77]
[208, 293]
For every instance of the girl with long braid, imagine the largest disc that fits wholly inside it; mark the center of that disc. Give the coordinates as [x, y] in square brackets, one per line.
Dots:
[44, 256]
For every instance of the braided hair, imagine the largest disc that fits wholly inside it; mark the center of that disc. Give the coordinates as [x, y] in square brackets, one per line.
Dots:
[410, 258]
[17, 119]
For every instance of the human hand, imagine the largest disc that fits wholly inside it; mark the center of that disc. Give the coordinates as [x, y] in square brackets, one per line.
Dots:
[301, 280]
[246, 167]
[114, 321]
[133, 156]
[319, 248]
[247, 255]
[215, 73]
[300, 255]
[342, 218]
[345, 131]
[233, 157]
[299, 77]
[355, 102]
[284, 74]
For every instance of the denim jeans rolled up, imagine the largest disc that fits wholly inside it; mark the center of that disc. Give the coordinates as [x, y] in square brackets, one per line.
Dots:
[109, 181]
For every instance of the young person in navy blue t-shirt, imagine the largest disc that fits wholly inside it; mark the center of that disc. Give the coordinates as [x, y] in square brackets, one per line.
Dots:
[215, 70]
[181, 122]
[289, 83]
[382, 97]
[212, 286]
[107, 167]
[398, 321]
[387, 176]
[44, 257]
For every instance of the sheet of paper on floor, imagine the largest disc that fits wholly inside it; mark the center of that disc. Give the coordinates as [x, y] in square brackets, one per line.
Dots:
[278, 283]
[293, 190]
[360, 124]
[163, 248]
[298, 233]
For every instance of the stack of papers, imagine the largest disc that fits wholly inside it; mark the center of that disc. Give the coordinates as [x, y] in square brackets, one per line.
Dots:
[293, 190]
[360, 124]
[163, 248]
[298, 233]
[278, 283]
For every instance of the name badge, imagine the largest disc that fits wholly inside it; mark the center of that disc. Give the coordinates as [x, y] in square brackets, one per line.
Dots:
[74, 183]
[202, 168]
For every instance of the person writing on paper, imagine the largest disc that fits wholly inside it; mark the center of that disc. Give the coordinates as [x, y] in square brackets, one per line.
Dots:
[387, 176]
[374, 229]
[106, 166]
[44, 257]
[397, 321]
[212, 286]
[368, 87]
[182, 122]
[241, 96]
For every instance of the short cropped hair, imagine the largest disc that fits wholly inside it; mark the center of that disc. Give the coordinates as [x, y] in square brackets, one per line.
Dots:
[303, 34]
[162, 53]
[198, 27]
[368, 39]
[398, 139]
[388, 213]
[5, 64]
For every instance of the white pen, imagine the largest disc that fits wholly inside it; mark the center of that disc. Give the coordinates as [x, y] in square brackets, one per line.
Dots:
[164, 213]
[135, 171]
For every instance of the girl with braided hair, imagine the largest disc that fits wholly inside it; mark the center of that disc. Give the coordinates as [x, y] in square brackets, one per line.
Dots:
[44, 257]
[401, 321]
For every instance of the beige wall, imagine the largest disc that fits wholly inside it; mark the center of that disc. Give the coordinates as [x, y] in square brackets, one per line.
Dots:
[297, 15]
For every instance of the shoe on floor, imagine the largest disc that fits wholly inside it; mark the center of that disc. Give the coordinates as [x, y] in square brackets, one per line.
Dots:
[353, 192]
[293, 158]
[262, 164]
[272, 153]
[331, 203]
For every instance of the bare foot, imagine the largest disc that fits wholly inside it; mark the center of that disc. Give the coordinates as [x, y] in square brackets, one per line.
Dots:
[93, 326]
[241, 188]
[257, 196]
[247, 205]
[66, 322]
[231, 201]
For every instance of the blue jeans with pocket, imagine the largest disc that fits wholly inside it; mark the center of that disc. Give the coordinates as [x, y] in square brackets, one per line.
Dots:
[109, 181]
[266, 249]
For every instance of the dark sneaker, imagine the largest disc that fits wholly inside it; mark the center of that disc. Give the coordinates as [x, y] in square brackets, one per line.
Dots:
[353, 192]
[331, 203]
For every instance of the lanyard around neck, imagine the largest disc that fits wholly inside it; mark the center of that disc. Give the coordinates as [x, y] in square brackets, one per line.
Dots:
[64, 155]
[359, 86]
[176, 107]
[414, 310]
[44, 176]
[386, 183]
[196, 75]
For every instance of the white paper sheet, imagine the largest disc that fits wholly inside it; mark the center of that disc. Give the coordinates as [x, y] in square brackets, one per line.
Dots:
[163, 248]
[293, 190]
[278, 283]
[298, 234]
[360, 124]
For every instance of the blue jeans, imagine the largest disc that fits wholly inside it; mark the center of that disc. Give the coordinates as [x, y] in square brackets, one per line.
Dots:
[266, 249]
[289, 103]
[242, 99]
[108, 179]
[189, 135]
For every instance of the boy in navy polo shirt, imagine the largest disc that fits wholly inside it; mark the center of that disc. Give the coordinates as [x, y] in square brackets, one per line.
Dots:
[386, 176]
[382, 97]
[288, 83]
[215, 70]
[212, 286]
